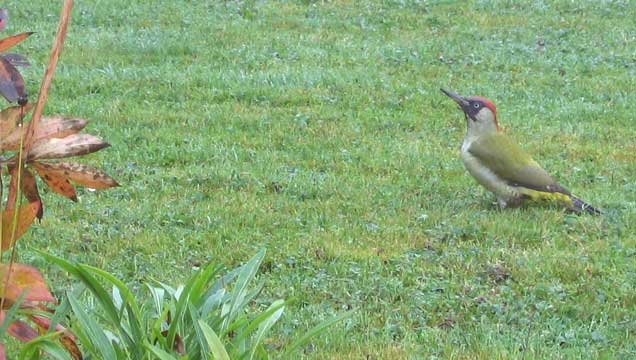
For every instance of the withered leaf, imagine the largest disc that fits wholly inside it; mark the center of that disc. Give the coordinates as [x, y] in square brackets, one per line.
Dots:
[24, 278]
[57, 182]
[68, 340]
[22, 331]
[11, 82]
[81, 174]
[30, 190]
[11, 41]
[72, 145]
[29, 187]
[178, 343]
[9, 119]
[13, 192]
[26, 215]
[17, 59]
[49, 127]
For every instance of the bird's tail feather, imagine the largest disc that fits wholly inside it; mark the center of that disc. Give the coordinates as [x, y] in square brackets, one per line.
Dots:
[579, 206]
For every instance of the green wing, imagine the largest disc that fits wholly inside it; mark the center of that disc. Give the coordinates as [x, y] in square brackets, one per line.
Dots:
[508, 161]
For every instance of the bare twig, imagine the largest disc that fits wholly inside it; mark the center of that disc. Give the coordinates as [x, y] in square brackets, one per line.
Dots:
[48, 75]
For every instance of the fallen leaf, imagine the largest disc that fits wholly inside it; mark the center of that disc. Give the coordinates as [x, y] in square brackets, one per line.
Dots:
[26, 214]
[79, 173]
[57, 182]
[11, 41]
[72, 145]
[11, 82]
[23, 278]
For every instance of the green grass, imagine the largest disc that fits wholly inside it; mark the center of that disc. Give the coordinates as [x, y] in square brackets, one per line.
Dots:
[317, 130]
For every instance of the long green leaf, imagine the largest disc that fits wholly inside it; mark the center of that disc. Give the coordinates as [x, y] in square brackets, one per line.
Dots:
[8, 319]
[157, 294]
[109, 307]
[160, 353]
[257, 321]
[95, 333]
[67, 266]
[202, 280]
[247, 273]
[47, 344]
[60, 313]
[129, 297]
[198, 345]
[267, 323]
[303, 340]
[178, 315]
[212, 301]
[214, 343]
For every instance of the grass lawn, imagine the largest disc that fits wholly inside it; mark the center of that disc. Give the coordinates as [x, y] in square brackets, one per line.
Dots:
[317, 130]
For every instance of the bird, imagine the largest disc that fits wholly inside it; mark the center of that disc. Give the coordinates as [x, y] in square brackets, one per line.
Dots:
[500, 165]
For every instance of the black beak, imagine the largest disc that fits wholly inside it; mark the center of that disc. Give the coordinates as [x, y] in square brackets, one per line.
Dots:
[460, 100]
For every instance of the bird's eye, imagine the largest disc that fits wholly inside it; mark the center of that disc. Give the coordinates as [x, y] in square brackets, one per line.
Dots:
[476, 105]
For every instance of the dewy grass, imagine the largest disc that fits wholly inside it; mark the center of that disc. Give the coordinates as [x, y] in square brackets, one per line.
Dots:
[317, 130]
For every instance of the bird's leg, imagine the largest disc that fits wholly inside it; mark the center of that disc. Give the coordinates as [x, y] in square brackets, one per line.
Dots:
[506, 203]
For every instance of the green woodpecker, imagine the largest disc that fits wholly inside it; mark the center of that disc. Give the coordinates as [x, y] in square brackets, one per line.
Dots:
[501, 166]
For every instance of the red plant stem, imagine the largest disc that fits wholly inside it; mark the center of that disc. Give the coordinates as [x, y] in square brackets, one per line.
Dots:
[35, 119]
[48, 75]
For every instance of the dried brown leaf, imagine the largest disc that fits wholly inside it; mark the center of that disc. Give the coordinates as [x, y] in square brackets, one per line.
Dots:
[23, 278]
[17, 59]
[67, 338]
[9, 119]
[57, 182]
[11, 41]
[29, 187]
[26, 214]
[81, 174]
[72, 145]
[11, 82]
[49, 127]
[13, 192]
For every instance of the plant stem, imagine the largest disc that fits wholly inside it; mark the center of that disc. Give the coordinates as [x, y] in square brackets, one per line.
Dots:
[48, 75]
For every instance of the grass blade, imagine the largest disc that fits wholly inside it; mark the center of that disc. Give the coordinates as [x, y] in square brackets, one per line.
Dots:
[11, 313]
[313, 332]
[60, 313]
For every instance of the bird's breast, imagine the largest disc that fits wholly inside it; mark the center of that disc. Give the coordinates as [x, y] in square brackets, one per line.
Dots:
[485, 176]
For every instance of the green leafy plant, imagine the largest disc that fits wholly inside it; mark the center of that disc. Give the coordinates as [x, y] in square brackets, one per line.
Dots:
[26, 149]
[211, 316]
